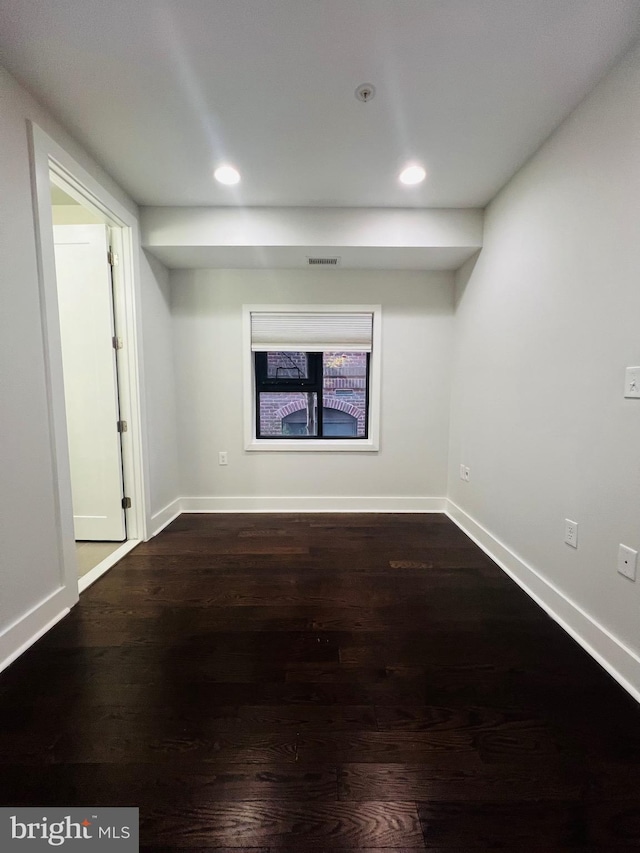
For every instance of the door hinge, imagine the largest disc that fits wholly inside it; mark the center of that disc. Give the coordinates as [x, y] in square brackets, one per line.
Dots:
[122, 426]
[126, 503]
[117, 342]
[112, 257]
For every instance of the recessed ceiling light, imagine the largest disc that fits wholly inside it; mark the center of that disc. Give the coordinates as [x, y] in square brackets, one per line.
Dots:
[413, 174]
[227, 175]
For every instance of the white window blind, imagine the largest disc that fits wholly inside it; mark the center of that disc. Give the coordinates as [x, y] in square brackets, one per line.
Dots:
[311, 332]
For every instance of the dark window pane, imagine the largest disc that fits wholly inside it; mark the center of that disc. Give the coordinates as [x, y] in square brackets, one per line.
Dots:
[287, 365]
[345, 372]
[335, 423]
[284, 413]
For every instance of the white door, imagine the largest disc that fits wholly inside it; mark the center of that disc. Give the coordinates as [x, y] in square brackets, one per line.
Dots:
[90, 381]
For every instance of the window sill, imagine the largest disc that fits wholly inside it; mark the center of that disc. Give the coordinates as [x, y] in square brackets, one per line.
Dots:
[313, 445]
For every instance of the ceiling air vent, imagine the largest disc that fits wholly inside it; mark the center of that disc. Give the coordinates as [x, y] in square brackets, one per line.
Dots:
[323, 262]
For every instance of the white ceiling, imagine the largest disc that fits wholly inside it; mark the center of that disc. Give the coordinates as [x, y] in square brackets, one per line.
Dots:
[160, 91]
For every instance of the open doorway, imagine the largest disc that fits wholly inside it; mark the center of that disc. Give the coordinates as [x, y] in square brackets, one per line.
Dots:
[74, 211]
[85, 259]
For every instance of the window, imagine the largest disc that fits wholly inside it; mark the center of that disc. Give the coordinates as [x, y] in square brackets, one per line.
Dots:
[297, 394]
[314, 377]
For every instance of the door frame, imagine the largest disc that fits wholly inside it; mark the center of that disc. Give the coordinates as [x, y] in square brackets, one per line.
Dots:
[51, 162]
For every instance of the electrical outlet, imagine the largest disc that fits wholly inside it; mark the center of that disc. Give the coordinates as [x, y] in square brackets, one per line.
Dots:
[571, 532]
[627, 561]
[467, 474]
[222, 457]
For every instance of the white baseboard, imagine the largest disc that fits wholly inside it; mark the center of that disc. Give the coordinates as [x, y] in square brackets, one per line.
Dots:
[96, 572]
[17, 638]
[164, 517]
[323, 504]
[610, 652]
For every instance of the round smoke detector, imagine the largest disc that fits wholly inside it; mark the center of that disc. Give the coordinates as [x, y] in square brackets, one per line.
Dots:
[365, 92]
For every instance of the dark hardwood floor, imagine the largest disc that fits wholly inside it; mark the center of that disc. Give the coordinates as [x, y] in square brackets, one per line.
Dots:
[321, 683]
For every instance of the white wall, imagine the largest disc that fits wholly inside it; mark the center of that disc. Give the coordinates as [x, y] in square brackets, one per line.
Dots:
[73, 214]
[159, 389]
[30, 570]
[548, 318]
[416, 352]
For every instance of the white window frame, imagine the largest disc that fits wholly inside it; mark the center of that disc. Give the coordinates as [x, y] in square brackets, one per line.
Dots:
[312, 445]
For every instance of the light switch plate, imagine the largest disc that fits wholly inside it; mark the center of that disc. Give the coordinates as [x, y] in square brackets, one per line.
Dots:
[632, 382]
